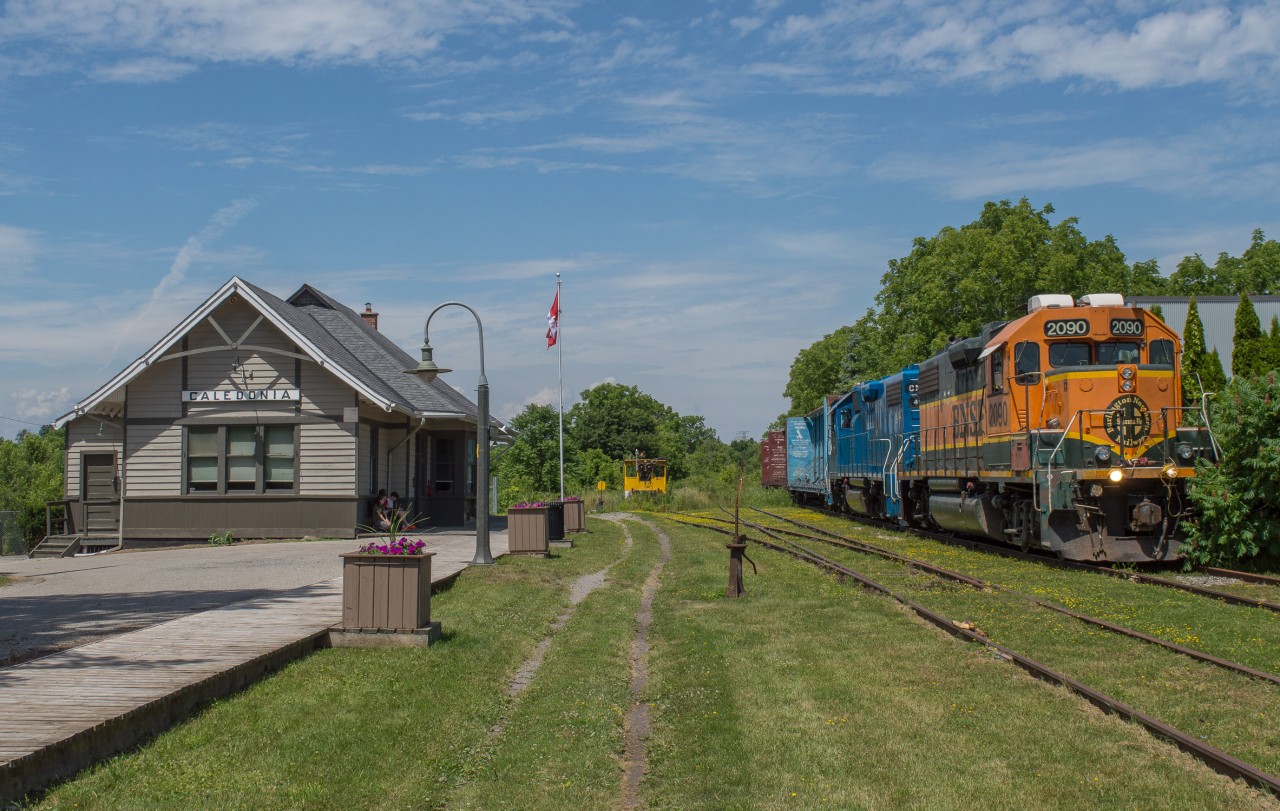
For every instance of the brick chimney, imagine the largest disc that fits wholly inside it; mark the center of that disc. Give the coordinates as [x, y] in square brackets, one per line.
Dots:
[369, 316]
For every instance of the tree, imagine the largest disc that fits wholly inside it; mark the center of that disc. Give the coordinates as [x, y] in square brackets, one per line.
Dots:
[953, 283]
[1271, 347]
[815, 372]
[1256, 271]
[1248, 349]
[31, 475]
[532, 463]
[1193, 355]
[1239, 515]
[618, 420]
[1212, 375]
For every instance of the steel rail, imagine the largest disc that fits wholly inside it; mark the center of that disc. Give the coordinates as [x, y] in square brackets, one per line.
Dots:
[1215, 758]
[842, 541]
[1200, 591]
[1249, 577]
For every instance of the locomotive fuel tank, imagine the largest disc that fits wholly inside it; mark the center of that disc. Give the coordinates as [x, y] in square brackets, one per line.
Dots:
[967, 514]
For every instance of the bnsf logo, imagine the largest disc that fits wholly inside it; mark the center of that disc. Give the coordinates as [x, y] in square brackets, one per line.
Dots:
[1063, 329]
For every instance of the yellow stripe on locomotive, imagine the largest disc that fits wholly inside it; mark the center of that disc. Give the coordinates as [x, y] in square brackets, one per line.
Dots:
[644, 475]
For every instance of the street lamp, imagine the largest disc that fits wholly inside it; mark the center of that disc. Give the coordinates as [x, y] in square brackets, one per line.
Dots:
[428, 370]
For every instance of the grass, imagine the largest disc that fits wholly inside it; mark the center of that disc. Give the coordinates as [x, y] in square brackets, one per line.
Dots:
[4, 581]
[806, 694]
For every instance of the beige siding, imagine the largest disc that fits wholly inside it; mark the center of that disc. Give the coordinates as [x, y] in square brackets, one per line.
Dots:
[82, 437]
[392, 462]
[217, 370]
[323, 392]
[157, 392]
[154, 462]
[327, 461]
[365, 486]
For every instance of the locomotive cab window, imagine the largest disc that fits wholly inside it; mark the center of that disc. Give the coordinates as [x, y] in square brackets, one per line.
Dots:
[1026, 358]
[846, 417]
[1074, 353]
[1162, 352]
[997, 371]
[1111, 353]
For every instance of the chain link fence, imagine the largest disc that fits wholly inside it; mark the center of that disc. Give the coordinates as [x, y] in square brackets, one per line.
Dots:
[11, 540]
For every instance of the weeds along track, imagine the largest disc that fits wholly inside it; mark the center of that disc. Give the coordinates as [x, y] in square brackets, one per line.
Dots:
[1270, 585]
[835, 539]
[1215, 758]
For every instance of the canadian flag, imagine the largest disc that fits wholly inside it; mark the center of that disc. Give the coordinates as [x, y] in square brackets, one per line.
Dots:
[553, 322]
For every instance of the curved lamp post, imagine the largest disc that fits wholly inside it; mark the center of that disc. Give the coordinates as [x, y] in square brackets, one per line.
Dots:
[428, 370]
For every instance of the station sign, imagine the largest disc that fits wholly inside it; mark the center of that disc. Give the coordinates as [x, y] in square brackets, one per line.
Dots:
[243, 396]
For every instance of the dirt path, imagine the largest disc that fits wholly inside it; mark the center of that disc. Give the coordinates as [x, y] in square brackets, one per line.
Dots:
[636, 733]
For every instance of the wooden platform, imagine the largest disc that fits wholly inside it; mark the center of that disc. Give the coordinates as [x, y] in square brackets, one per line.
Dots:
[64, 712]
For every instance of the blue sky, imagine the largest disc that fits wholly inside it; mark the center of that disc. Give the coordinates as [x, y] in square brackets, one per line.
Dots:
[720, 183]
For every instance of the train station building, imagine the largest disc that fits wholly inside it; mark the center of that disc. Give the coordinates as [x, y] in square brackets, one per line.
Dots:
[266, 417]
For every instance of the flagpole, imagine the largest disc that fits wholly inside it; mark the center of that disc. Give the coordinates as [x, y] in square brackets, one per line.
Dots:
[560, 375]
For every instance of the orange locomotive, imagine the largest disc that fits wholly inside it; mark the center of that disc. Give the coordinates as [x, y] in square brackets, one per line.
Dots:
[1063, 429]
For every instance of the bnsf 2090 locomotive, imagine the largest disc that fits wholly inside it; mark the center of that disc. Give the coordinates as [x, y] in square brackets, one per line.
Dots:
[1062, 430]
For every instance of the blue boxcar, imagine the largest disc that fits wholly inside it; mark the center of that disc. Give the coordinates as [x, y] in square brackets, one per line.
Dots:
[807, 454]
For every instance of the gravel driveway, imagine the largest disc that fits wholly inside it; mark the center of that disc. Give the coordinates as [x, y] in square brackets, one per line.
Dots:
[59, 602]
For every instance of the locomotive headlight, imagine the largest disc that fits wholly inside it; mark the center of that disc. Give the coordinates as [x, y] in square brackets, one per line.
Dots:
[1126, 385]
[1127, 373]
[1170, 471]
[1185, 451]
[1103, 454]
[1116, 474]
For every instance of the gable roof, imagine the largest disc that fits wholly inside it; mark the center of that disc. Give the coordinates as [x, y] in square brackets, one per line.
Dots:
[327, 332]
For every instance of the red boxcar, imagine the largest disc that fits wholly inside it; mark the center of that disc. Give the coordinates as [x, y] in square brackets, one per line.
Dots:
[773, 459]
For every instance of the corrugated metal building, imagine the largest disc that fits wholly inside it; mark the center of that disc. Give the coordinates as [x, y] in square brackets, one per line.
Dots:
[1218, 314]
[267, 417]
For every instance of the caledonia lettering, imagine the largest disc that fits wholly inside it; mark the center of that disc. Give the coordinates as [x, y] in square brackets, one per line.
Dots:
[238, 396]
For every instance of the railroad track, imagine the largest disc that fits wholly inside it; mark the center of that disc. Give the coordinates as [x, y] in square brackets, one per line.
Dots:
[1215, 758]
[835, 539]
[1136, 577]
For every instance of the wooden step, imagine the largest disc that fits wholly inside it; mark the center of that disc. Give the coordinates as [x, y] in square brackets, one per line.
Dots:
[56, 546]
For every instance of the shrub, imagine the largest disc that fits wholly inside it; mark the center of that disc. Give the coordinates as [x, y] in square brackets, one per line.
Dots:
[1239, 515]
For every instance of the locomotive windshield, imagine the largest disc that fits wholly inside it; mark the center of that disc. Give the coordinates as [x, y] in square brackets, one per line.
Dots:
[1113, 352]
[1162, 352]
[1073, 353]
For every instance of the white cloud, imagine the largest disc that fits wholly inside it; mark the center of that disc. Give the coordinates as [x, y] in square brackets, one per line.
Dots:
[143, 71]
[40, 405]
[18, 249]
[1225, 161]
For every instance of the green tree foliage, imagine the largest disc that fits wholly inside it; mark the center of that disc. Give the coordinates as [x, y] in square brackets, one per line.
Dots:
[532, 463]
[956, 281]
[815, 372]
[1211, 373]
[1248, 353]
[1239, 515]
[1271, 347]
[1193, 355]
[30, 476]
[618, 420]
[1257, 271]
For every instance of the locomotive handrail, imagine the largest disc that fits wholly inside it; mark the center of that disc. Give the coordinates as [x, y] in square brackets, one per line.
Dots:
[1049, 465]
[884, 466]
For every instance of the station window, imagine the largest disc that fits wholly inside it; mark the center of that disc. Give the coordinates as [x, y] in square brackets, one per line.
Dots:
[444, 465]
[241, 458]
[1162, 352]
[1074, 353]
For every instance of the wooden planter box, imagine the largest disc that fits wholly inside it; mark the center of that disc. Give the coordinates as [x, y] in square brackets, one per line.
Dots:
[575, 516]
[386, 592]
[528, 530]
